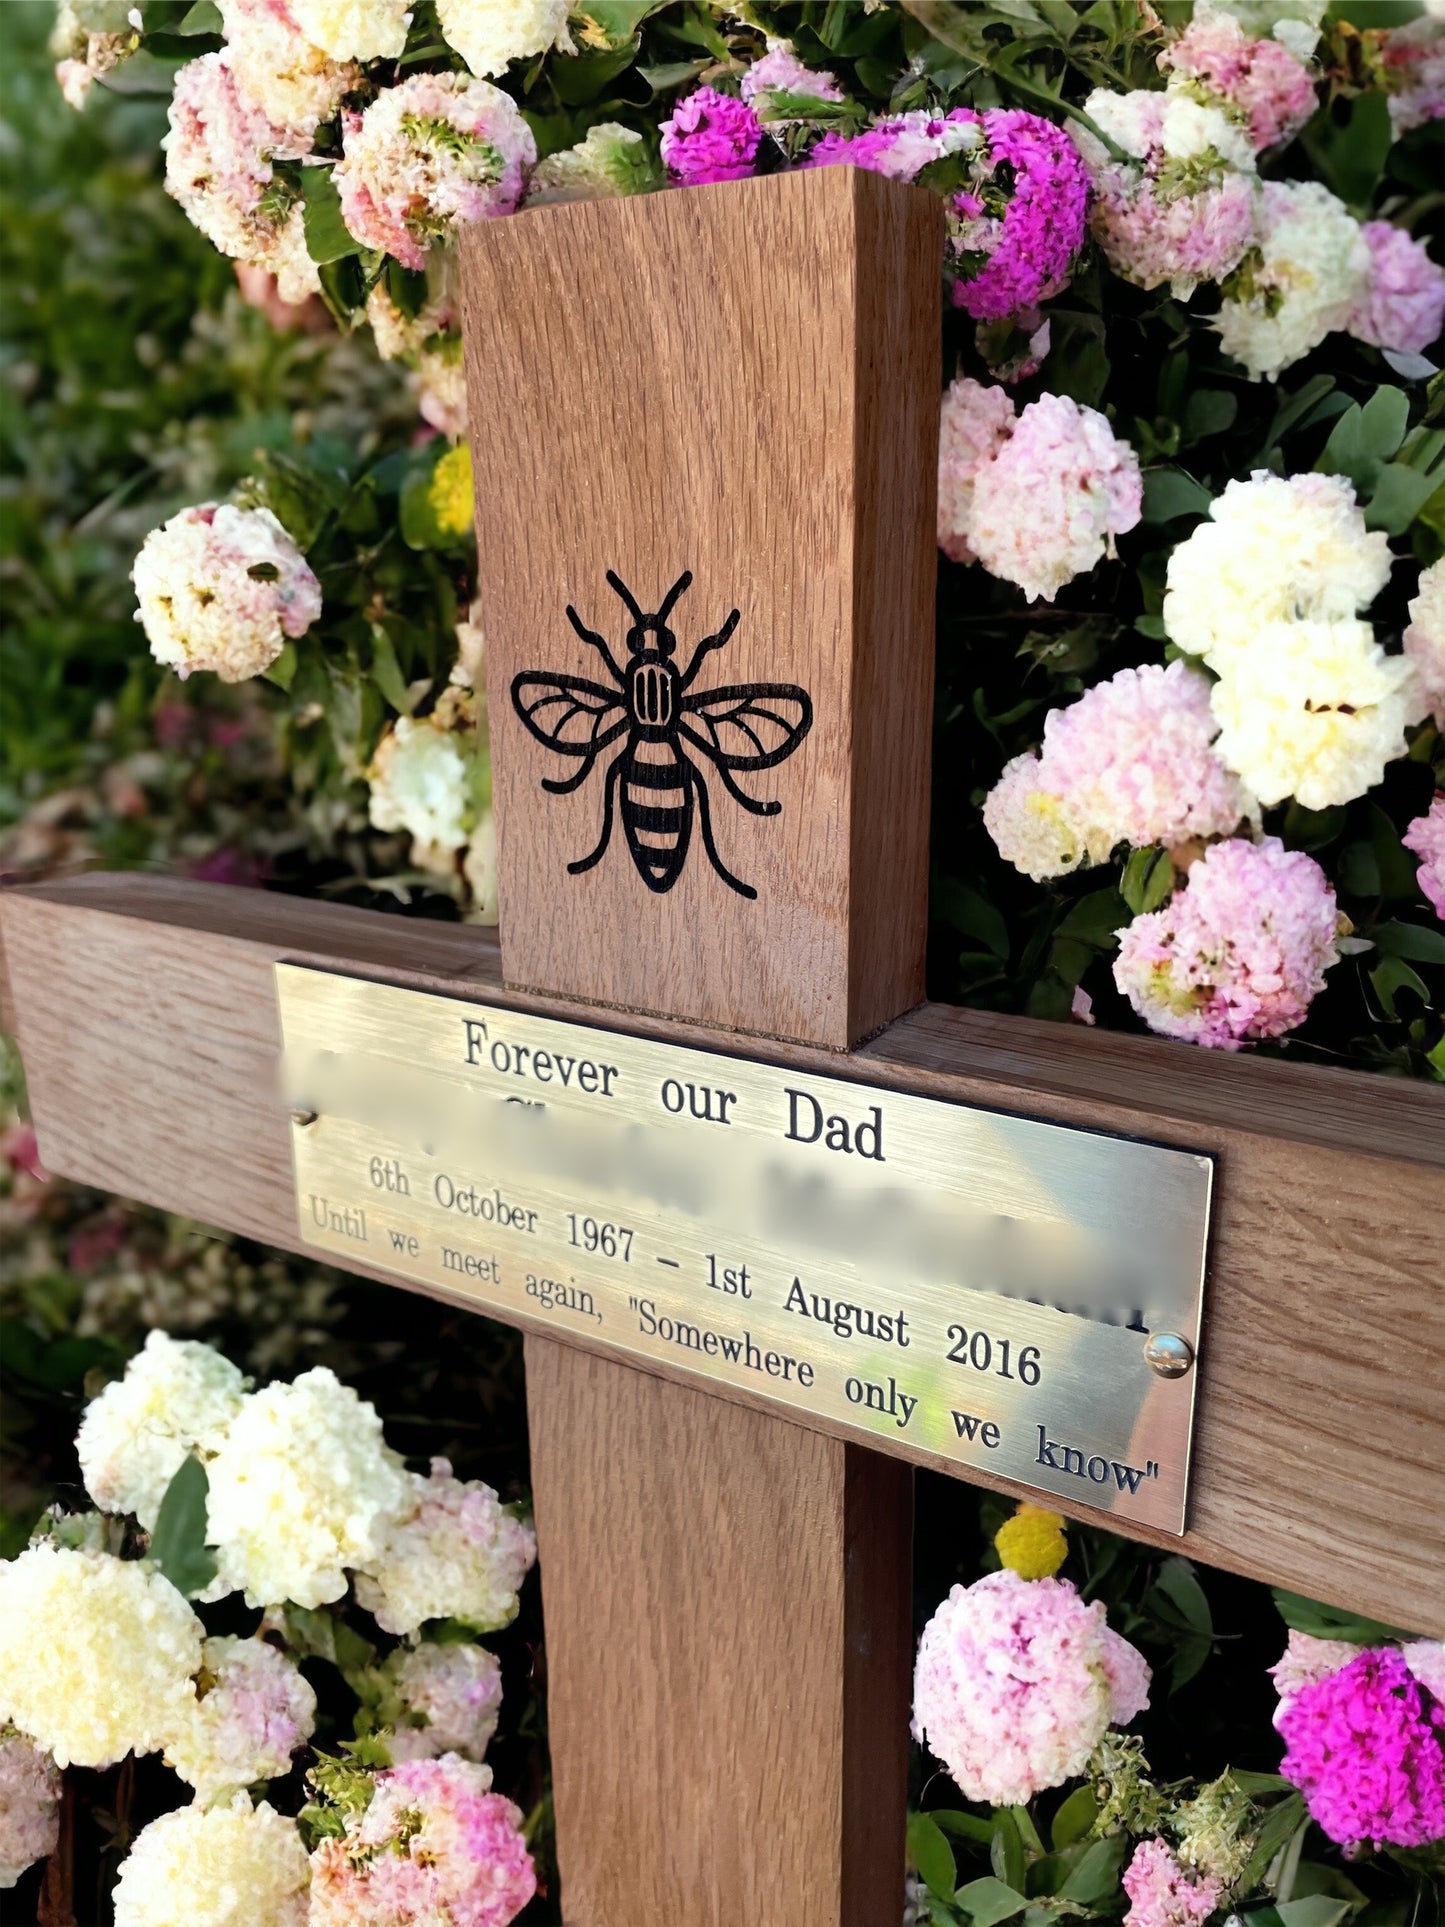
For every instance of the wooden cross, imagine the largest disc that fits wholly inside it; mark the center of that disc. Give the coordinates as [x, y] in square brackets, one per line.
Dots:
[739, 384]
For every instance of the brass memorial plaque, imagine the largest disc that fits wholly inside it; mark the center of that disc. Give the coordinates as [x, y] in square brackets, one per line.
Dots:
[978, 1286]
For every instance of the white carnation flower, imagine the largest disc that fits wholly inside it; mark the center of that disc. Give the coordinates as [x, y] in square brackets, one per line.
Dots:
[1033, 829]
[456, 1555]
[280, 72]
[230, 1866]
[302, 1487]
[490, 34]
[354, 29]
[1425, 644]
[1308, 271]
[1275, 548]
[419, 783]
[221, 588]
[612, 161]
[96, 1654]
[1315, 710]
[447, 1699]
[29, 1806]
[440, 387]
[479, 869]
[253, 1710]
[176, 1396]
[220, 154]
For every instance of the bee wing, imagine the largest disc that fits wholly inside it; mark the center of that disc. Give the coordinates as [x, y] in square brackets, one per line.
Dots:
[748, 726]
[567, 713]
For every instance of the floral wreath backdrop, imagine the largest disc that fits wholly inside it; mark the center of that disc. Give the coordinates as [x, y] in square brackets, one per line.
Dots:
[1189, 773]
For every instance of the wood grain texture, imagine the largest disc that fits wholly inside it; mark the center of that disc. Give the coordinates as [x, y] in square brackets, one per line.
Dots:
[719, 1588]
[774, 430]
[1321, 1429]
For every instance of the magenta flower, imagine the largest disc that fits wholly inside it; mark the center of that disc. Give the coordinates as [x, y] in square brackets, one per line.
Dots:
[1366, 1747]
[1029, 246]
[1402, 303]
[710, 137]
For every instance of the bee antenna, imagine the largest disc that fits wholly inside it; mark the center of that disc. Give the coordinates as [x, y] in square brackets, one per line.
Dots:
[680, 587]
[621, 588]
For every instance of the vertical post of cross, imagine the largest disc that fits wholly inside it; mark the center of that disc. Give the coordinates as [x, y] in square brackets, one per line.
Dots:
[712, 804]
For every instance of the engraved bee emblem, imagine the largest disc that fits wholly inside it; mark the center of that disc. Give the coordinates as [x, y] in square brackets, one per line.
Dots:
[656, 782]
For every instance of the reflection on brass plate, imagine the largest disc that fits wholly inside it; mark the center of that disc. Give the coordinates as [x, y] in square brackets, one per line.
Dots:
[980, 1288]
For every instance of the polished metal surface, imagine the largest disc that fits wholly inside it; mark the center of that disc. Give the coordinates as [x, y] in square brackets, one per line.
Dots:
[982, 1287]
[1169, 1354]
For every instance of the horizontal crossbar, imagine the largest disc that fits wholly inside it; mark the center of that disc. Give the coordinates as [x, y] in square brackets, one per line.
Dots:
[146, 1013]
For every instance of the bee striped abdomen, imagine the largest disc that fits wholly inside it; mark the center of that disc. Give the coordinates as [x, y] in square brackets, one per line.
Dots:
[656, 812]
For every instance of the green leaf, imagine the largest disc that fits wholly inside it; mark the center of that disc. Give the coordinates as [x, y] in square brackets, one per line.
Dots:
[327, 237]
[1392, 975]
[1293, 408]
[932, 1855]
[1315, 1910]
[1147, 880]
[1096, 918]
[1209, 411]
[1350, 153]
[1170, 493]
[283, 671]
[387, 671]
[203, 17]
[616, 21]
[1400, 493]
[1258, 1782]
[1331, 1622]
[1410, 940]
[962, 908]
[1364, 439]
[1178, 1584]
[988, 1900]
[968, 1826]
[582, 78]
[1280, 1822]
[1006, 1850]
[178, 1543]
[1074, 1817]
[1097, 1874]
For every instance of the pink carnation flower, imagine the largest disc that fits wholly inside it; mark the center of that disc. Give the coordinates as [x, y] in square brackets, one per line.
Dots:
[710, 137]
[781, 72]
[1260, 80]
[1133, 761]
[1238, 953]
[1161, 216]
[1050, 503]
[902, 145]
[29, 1806]
[434, 1845]
[1016, 1681]
[1162, 1894]
[1028, 233]
[1366, 1747]
[1412, 59]
[1426, 837]
[427, 155]
[219, 154]
[1305, 1661]
[1424, 641]
[1402, 303]
[975, 422]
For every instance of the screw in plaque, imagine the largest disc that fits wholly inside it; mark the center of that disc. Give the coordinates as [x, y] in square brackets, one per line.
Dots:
[1168, 1354]
[653, 712]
